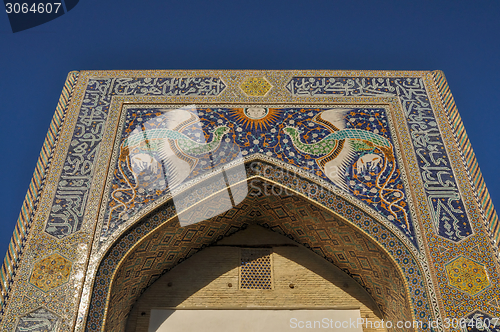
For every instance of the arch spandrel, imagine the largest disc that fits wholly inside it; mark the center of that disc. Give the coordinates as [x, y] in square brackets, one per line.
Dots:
[349, 148]
[245, 169]
[382, 247]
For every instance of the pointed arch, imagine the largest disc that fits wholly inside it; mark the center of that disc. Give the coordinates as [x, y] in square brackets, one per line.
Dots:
[129, 266]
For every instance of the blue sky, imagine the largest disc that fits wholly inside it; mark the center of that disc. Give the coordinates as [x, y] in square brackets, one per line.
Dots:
[460, 37]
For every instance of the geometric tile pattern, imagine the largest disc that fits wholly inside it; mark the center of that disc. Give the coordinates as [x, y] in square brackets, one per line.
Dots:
[255, 269]
[51, 272]
[40, 320]
[290, 215]
[255, 86]
[467, 275]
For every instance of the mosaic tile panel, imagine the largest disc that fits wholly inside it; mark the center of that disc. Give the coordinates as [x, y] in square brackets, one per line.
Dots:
[491, 217]
[40, 320]
[290, 215]
[73, 189]
[442, 191]
[351, 148]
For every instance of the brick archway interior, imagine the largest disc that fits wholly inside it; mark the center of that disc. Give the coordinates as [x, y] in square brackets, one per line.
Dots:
[282, 275]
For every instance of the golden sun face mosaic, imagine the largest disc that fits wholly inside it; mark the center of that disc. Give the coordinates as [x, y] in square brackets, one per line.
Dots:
[256, 117]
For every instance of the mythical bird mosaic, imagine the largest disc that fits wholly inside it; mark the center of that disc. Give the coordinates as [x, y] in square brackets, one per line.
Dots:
[351, 148]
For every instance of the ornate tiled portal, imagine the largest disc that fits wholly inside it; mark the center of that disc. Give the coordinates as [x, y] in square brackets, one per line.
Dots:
[131, 152]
